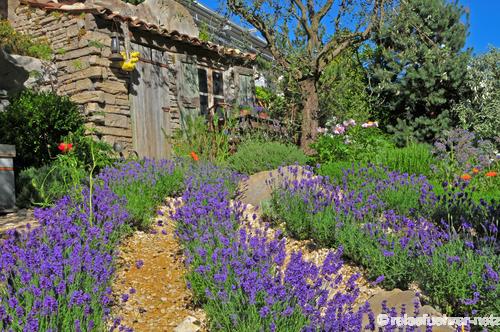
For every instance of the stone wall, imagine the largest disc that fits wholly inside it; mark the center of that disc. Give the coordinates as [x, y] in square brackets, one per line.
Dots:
[81, 43]
[83, 70]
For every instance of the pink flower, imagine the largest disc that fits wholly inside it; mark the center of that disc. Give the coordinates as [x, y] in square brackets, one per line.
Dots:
[339, 130]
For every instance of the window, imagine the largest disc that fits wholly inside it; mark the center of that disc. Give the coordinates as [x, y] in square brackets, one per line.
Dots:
[202, 80]
[203, 86]
[218, 84]
[215, 96]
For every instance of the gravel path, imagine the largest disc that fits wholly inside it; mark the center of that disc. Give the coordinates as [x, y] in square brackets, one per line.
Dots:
[158, 299]
[16, 220]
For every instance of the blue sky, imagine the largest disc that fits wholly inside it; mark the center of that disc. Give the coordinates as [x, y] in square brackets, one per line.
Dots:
[484, 22]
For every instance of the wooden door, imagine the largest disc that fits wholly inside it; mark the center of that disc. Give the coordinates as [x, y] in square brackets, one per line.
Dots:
[150, 104]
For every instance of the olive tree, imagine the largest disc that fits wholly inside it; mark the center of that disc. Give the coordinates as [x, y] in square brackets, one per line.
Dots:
[305, 35]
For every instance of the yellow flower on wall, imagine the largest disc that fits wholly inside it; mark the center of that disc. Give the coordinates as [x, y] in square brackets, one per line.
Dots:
[128, 64]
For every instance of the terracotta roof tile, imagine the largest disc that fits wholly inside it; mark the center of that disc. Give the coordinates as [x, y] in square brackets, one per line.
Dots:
[108, 14]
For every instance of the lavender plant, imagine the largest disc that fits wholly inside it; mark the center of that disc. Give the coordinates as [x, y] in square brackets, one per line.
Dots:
[240, 276]
[398, 243]
[461, 278]
[56, 277]
[144, 184]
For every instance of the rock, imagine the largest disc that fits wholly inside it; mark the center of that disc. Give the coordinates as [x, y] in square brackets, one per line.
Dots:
[88, 96]
[255, 190]
[117, 120]
[189, 324]
[397, 299]
[19, 72]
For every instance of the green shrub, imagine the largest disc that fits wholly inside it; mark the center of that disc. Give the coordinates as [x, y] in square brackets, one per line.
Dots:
[413, 159]
[422, 129]
[256, 156]
[65, 175]
[355, 144]
[36, 122]
[14, 42]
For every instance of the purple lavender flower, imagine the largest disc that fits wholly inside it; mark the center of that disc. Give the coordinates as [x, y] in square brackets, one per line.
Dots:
[139, 263]
[378, 280]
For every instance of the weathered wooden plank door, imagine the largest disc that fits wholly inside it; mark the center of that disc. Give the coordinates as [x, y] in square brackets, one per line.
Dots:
[150, 104]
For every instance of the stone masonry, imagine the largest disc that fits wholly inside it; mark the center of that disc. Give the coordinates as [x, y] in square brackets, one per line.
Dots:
[83, 70]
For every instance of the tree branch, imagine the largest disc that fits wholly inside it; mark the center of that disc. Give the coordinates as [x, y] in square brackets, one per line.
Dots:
[316, 19]
[336, 45]
[342, 8]
[259, 23]
[303, 18]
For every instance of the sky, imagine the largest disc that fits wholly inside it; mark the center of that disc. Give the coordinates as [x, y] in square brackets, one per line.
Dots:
[484, 22]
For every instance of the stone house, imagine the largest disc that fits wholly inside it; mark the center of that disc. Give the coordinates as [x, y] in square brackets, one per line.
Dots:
[177, 75]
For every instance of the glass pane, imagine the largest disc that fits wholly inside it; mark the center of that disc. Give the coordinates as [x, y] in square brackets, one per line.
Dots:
[203, 105]
[202, 80]
[218, 83]
[190, 81]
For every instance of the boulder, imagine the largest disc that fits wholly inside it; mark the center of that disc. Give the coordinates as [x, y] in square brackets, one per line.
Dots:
[19, 72]
[256, 188]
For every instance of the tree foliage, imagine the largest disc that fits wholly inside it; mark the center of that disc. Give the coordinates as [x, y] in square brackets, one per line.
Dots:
[342, 88]
[480, 112]
[419, 68]
[305, 35]
[36, 122]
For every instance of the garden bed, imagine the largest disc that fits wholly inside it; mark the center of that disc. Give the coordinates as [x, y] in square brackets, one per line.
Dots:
[395, 226]
[84, 269]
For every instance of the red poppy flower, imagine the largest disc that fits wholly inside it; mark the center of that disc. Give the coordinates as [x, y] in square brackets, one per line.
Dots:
[65, 147]
[465, 177]
[194, 156]
[491, 174]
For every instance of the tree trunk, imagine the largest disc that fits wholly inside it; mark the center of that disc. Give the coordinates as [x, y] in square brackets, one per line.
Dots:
[310, 106]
